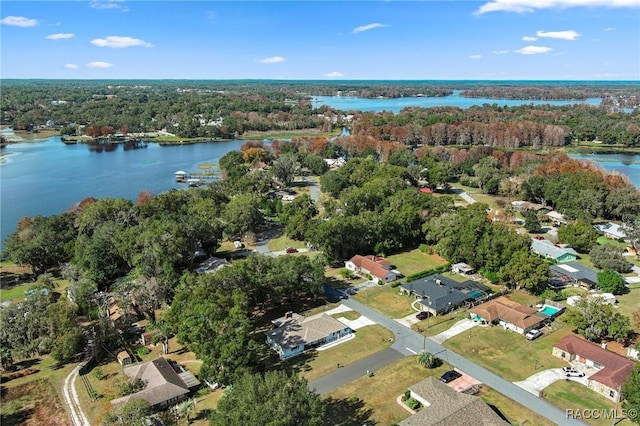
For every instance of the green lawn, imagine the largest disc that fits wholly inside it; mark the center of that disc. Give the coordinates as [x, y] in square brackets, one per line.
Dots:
[569, 395]
[507, 353]
[15, 293]
[387, 300]
[377, 397]
[367, 341]
[281, 243]
[629, 303]
[413, 261]
[604, 240]
[434, 325]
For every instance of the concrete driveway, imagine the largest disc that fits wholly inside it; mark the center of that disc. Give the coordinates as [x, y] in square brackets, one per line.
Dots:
[536, 383]
[457, 328]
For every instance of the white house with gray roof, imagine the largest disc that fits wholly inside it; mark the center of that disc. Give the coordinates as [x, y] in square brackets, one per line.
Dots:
[294, 334]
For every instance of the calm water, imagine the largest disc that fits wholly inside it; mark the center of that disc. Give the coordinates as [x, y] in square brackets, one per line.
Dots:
[623, 163]
[48, 177]
[395, 105]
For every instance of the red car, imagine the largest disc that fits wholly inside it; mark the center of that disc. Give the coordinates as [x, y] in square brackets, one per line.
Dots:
[291, 250]
[423, 315]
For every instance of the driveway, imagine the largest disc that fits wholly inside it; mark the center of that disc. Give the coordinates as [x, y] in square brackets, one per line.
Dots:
[536, 383]
[464, 195]
[457, 328]
[314, 191]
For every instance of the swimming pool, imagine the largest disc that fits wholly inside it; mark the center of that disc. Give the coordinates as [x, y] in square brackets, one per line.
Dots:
[476, 294]
[549, 310]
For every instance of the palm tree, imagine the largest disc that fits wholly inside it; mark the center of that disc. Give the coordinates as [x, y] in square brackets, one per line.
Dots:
[427, 359]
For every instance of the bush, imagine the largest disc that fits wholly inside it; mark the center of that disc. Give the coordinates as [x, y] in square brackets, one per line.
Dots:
[353, 400]
[347, 274]
[428, 272]
[143, 351]
[98, 373]
[406, 395]
[395, 284]
[413, 404]
[425, 249]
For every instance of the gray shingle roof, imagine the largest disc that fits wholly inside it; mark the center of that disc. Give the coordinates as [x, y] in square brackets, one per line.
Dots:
[444, 293]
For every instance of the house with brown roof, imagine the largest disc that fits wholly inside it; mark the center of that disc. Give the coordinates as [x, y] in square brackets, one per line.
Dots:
[612, 370]
[294, 334]
[164, 386]
[443, 406]
[508, 314]
[375, 266]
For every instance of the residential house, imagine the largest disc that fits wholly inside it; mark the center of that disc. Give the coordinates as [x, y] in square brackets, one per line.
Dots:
[524, 206]
[554, 252]
[293, 334]
[557, 218]
[375, 266]
[573, 274]
[164, 386]
[443, 406]
[508, 314]
[335, 163]
[611, 230]
[462, 269]
[612, 370]
[439, 294]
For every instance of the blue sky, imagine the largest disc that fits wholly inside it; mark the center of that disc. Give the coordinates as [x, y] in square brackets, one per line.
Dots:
[492, 40]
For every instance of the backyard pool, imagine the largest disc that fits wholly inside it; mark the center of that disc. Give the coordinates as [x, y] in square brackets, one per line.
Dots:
[549, 310]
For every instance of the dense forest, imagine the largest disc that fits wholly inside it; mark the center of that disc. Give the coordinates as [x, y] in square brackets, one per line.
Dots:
[227, 109]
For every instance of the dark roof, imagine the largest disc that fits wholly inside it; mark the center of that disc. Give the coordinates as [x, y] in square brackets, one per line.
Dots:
[448, 407]
[576, 271]
[443, 291]
[617, 368]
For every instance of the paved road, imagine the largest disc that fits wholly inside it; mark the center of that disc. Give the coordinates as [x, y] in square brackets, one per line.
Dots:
[408, 342]
[347, 374]
[464, 195]
[314, 191]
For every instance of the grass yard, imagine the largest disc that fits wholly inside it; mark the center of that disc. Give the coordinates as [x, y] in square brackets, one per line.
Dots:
[367, 341]
[571, 395]
[604, 240]
[387, 300]
[629, 302]
[31, 404]
[507, 353]
[434, 325]
[281, 243]
[15, 293]
[515, 413]
[475, 193]
[413, 261]
[523, 297]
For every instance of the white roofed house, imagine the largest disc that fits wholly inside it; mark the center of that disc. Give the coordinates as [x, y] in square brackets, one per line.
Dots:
[611, 230]
[294, 334]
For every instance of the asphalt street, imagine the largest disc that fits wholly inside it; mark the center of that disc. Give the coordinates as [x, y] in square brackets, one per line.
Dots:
[408, 342]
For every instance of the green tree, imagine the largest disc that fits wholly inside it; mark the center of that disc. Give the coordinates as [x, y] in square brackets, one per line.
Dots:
[402, 157]
[131, 413]
[631, 394]
[316, 164]
[274, 398]
[596, 321]
[428, 360]
[242, 215]
[68, 345]
[611, 282]
[526, 270]
[285, 168]
[608, 256]
[42, 242]
[531, 222]
[581, 236]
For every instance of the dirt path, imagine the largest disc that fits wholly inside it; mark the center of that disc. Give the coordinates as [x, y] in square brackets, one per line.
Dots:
[78, 418]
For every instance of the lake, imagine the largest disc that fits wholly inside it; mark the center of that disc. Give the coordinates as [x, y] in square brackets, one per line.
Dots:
[48, 177]
[624, 163]
[346, 103]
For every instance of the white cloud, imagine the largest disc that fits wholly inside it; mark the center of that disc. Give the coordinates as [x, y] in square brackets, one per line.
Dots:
[334, 74]
[609, 29]
[271, 60]
[108, 4]
[521, 6]
[562, 35]
[59, 36]
[119, 42]
[475, 56]
[529, 38]
[19, 21]
[368, 27]
[71, 66]
[500, 52]
[99, 64]
[533, 50]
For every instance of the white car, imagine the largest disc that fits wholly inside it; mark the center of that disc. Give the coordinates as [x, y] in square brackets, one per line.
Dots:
[533, 334]
[572, 372]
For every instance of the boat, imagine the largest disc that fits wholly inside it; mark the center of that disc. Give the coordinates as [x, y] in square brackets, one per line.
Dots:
[181, 176]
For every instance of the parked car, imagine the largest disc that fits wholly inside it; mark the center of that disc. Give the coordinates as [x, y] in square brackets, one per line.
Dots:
[572, 372]
[423, 315]
[450, 376]
[291, 250]
[533, 334]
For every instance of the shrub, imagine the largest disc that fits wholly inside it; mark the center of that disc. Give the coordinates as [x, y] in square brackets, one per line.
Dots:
[143, 351]
[353, 400]
[413, 404]
[347, 274]
[98, 373]
[395, 284]
[406, 395]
